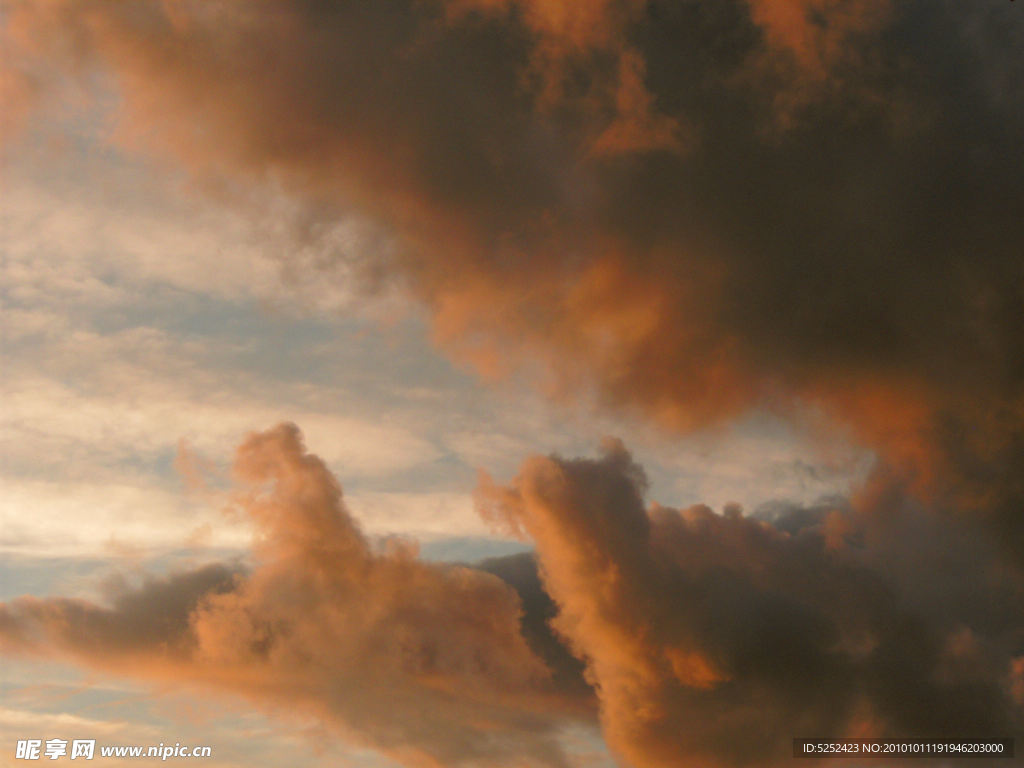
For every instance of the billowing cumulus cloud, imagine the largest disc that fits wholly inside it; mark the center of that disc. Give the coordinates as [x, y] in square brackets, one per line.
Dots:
[423, 662]
[714, 639]
[694, 637]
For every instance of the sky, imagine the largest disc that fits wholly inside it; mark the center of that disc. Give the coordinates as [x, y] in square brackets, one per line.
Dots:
[489, 383]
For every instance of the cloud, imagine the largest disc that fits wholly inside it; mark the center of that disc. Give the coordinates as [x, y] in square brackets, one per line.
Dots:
[859, 255]
[568, 41]
[423, 662]
[812, 31]
[693, 637]
[812, 49]
[102, 518]
[134, 385]
[20, 720]
[685, 211]
[714, 639]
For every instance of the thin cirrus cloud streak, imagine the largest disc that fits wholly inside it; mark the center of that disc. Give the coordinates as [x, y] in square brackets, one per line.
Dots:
[684, 211]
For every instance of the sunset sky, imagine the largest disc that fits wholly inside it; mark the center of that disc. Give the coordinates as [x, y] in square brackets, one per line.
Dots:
[490, 383]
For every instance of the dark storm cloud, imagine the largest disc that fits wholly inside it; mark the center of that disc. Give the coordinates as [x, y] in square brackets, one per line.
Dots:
[686, 207]
[814, 198]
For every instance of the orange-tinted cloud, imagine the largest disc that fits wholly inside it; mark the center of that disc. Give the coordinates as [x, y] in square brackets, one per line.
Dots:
[815, 32]
[570, 40]
[713, 639]
[861, 255]
[423, 662]
[704, 638]
[817, 48]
